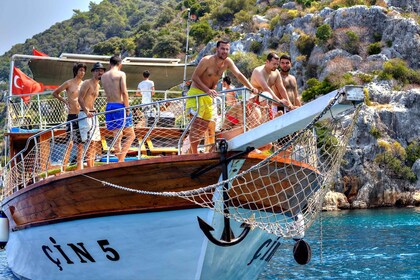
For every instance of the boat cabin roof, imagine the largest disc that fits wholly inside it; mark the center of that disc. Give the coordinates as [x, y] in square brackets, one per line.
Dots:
[165, 72]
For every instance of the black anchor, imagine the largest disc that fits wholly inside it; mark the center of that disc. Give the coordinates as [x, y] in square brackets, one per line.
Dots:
[228, 237]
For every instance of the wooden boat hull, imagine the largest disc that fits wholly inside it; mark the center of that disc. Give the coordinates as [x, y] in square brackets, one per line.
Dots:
[71, 225]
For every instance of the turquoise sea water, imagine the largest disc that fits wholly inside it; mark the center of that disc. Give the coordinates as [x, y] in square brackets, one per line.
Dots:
[358, 244]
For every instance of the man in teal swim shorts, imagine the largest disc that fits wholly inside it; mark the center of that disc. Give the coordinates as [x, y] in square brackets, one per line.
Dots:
[115, 87]
[204, 81]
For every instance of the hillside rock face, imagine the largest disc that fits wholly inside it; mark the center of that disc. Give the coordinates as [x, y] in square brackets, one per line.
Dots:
[365, 184]
[362, 183]
[406, 5]
[400, 38]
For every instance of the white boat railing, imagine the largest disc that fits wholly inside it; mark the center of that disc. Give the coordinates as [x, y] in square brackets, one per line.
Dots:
[44, 111]
[160, 128]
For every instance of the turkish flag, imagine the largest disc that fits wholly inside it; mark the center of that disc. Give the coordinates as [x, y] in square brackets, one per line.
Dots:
[22, 84]
[38, 53]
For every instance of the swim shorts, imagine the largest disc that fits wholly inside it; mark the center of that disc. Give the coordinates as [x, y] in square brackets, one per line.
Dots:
[205, 103]
[116, 120]
[89, 127]
[75, 126]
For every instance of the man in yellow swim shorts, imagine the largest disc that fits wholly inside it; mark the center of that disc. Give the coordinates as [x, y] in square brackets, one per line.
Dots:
[204, 81]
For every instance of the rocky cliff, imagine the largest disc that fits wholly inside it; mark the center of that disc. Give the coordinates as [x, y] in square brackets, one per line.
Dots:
[389, 124]
[393, 117]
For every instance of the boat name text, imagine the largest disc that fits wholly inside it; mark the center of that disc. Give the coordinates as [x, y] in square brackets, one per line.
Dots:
[60, 255]
[265, 254]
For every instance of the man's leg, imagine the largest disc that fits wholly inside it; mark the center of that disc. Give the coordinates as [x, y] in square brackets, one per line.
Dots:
[129, 135]
[198, 128]
[117, 146]
[210, 136]
[79, 156]
[67, 155]
[90, 154]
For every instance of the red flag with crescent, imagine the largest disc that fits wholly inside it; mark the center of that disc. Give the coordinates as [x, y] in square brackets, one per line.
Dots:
[22, 84]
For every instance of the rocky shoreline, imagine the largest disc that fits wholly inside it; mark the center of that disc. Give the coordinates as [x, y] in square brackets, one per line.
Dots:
[362, 182]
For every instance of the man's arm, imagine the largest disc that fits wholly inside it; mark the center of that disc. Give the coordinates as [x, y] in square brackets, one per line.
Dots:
[282, 91]
[123, 89]
[296, 92]
[138, 92]
[84, 89]
[57, 91]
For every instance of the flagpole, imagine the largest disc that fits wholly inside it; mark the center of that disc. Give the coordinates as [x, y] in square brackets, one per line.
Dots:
[186, 52]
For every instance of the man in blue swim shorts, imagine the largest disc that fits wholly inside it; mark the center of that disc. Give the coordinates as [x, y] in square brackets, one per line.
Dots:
[204, 81]
[117, 119]
[119, 116]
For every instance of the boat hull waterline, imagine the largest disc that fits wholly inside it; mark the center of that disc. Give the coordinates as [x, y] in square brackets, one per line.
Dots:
[159, 245]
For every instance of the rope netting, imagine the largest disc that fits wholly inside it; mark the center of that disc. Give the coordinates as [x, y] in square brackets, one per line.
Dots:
[278, 188]
[283, 193]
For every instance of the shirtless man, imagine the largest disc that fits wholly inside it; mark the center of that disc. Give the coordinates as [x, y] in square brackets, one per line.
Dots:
[89, 125]
[204, 80]
[115, 87]
[267, 78]
[289, 81]
[72, 87]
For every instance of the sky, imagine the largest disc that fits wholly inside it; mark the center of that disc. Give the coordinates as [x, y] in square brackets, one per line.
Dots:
[22, 19]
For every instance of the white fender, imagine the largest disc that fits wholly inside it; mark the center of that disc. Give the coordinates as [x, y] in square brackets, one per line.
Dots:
[299, 225]
[4, 230]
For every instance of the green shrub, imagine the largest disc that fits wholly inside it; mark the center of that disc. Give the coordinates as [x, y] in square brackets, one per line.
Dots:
[324, 32]
[305, 44]
[397, 69]
[274, 22]
[305, 3]
[395, 166]
[365, 78]
[375, 132]
[367, 97]
[377, 37]
[273, 43]
[352, 42]
[316, 88]
[327, 143]
[202, 32]
[255, 47]
[285, 39]
[374, 48]
[413, 153]
[284, 17]
[246, 62]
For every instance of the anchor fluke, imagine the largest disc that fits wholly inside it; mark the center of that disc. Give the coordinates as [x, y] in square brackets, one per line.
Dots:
[206, 228]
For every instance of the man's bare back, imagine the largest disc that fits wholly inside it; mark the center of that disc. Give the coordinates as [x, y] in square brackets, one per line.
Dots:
[113, 83]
